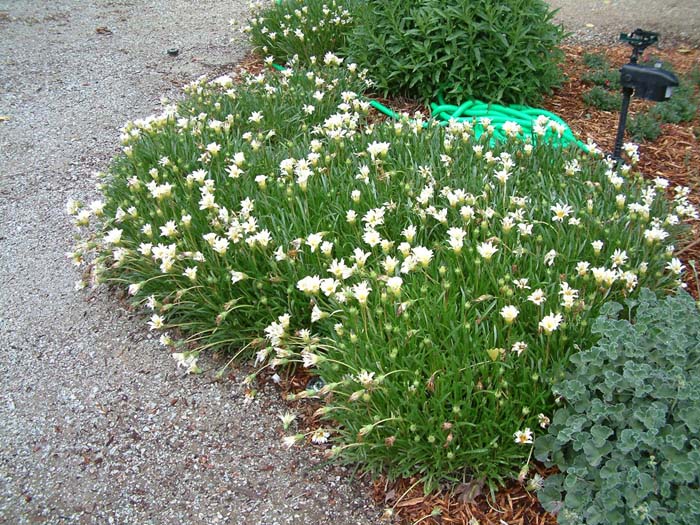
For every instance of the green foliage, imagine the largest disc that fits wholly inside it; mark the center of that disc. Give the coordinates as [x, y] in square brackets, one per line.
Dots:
[643, 126]
[305, 28]
[608, 79]
[601, 98]
[596, 61]
[483, 49]
[681, 107]
[433, 279]
[627, 442]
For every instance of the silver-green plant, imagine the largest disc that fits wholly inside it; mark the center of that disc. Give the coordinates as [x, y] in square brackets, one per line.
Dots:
[627, 441]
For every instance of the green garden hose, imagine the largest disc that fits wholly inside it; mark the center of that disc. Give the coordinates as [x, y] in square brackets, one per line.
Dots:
[473, 111]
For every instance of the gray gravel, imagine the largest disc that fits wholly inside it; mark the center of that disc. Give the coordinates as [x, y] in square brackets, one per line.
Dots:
[96, 425]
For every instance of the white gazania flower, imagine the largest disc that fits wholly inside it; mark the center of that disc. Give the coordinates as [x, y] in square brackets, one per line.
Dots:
[169, 230]
[317, 314]
[310, 284]
[509, 313]
[618, 258]
[329, 286]
[287, 418]
[393, 284]
[675, 266]
[389, 264]
[113, 236]
[255, 117]
[537, 297]
[486, 250]
[309, 359]
[190, 273]
[378, 149]
[409, 233]
[519, 347]
[361, 292]
[360, 257]
[543, 420]
[655, 234]
[549, 257]
[521, 284]
[213, 148]
[156, 322]
[597, 246]
[290, 441]
[220, 245]
[327, 248]
[320, 436]
[524, 437]
[561, 211]
[550, 323]
[314, 240]
[340, 270]
[237, 276]
[372, 237]
[456, 238]
[582, 268]
[422, 255]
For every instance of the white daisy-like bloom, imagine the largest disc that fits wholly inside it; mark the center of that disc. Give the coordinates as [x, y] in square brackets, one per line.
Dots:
[524, 437]
[360, 256]
[409, 233]
[675, 266]
[361, 292]
[597, 246]
[329, 286]
[320, 436]
[169, 229]
[550, 323]
[186, 360]
[618, 258]
[519, 347]
[290, 441]
[422, 255]
[561, 211]
[393, 284]
[549, 257]
[310, 284]
[220, 245]
[372, 237]
[378, 149]
[486, 250]
[314, 240]
[537, 297]
[113, 236]
[237, 276]
[389, 264]
[509, 313]
[190, 272]
[582, 268]
[156, 322]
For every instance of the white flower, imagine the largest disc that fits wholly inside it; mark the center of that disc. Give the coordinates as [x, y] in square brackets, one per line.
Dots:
[310, 284]
[313, 241]
[619, 258]
[519, 347]
[317, 314]
[360, 256]
[320, 436]
[456, 240]
[393, 284]
[524, 437]
[376, 149]
[156, 322]
[237, 276]
[372, 237]
[537, 297]
[509, 313]
[675, 266]
[213, 148]
[597, 246]
[287, 418]
[113, 236]
[290, 441]
[549, 257]
[543, 420]
[169, 230]
[361, 292]
[550, 323]
[409, 233]
[486, 250]
[561, 211]
[422, 255]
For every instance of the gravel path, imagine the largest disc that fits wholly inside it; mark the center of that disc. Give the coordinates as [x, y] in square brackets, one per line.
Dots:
[96, 426]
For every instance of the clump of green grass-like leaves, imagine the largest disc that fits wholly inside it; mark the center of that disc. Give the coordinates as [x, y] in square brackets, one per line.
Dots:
[436, 282]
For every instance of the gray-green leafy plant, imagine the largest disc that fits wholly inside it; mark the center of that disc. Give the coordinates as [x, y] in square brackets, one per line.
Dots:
[484, 49]
[627, 442]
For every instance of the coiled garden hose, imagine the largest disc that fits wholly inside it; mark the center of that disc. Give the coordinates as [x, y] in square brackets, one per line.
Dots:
[474, 110]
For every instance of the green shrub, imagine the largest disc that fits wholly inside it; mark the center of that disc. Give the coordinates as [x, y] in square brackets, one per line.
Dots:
[596, 61]
[484, 49]
[601, 98]
[681, 107]
[305, 28]
[435, 280]
[644, 126]
[608, 79]
[627, 442]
